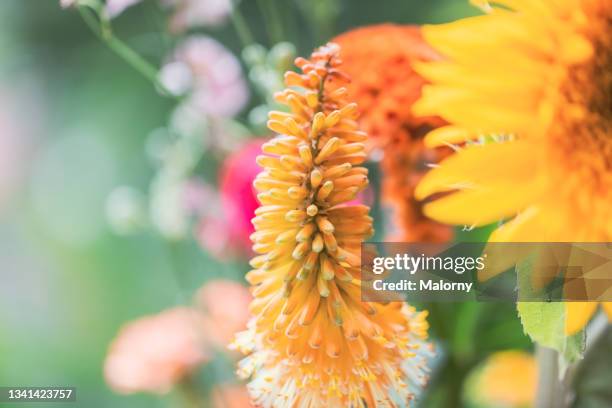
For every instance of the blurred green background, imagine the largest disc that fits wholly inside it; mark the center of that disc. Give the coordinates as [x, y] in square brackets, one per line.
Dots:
[74, 123]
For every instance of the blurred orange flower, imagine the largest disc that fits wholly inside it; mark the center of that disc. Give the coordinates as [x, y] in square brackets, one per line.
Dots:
[378, 59]
[226, 310]
[506, 379]
[155, 352]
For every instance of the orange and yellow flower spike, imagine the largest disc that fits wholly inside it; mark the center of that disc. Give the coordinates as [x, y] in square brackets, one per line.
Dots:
[312, 342]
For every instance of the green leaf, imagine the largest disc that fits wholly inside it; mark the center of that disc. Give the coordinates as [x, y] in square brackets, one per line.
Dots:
[544, 322]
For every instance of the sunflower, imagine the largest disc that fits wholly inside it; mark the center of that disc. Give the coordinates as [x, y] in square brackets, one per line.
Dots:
[535, 76]
[378, 59]
[312, 342]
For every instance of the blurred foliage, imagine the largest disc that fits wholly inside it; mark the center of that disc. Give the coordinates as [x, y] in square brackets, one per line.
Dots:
[593, 377]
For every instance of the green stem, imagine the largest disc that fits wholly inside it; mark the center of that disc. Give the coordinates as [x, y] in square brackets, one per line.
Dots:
[241, 27]
[550, 390]
[277, 21]
[100, 26]
[466, 327]
[273, 21]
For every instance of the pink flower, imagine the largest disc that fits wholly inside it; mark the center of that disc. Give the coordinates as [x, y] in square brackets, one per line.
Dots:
[238, 197]
[185, 13]
[225, 306]
[195, 13]
[155, 352]
[204, 202]
[213, 236]
[199, 198]
[225, 225]
[218, 87]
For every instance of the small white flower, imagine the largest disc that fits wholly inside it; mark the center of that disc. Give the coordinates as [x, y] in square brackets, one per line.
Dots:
[68, 3]
[196, 13]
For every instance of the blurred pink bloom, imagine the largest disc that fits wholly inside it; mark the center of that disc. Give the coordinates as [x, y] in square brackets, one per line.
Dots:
[185, 13]
[238, 196]
[225, 306]
[155, 352]
[116, 7]
[195, 13]
[225, 230]
[231, 396]
[199, 197]
[218, 87]
[202, 201]
[213, 236]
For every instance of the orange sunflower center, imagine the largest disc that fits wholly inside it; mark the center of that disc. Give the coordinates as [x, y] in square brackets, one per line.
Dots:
[581, 132]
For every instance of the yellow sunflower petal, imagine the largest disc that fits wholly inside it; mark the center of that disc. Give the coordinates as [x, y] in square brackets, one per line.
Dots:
[538, 7]
[541, 222]
[479, 166]
[607, 307]
[502, 83]
[448, 135]
[522, 228]
[469, 36]
[525, 227]
[466, 108]
[577, 315]
[482, 206]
